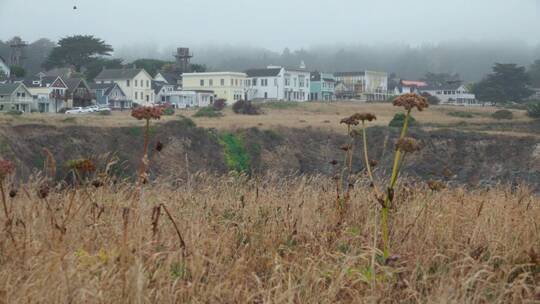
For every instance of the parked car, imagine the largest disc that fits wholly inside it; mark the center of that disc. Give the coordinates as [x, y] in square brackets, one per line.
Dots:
[78, 110]
[92, 108]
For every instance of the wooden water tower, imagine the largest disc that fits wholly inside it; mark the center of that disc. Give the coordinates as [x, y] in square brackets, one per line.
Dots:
[16, 56]
[183, 58]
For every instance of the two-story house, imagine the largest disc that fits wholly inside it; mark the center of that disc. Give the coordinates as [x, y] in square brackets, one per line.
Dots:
[15, 96]
[322, 86]
[230, 86]
[111, 95]
[162, 90]
[135, 83]
[278, 83]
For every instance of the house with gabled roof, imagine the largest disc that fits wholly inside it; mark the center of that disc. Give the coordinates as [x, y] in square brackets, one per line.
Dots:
[161, 90]
[169, 78]
[322, 86]
[111, 95]
[278, 83]
[136, 83]
[78, 92]
[15, 96]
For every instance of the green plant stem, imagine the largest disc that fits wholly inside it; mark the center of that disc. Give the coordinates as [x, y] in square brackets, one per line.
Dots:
[390, 195]
[366, 157]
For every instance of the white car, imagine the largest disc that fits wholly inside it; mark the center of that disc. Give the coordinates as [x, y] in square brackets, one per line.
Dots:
[92, 109]
[78, 110]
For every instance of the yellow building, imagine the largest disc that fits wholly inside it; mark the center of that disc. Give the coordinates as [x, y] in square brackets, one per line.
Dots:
[230, 86]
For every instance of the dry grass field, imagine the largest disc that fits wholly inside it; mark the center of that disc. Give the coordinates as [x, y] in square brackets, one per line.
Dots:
[267, 240]
[317, 115]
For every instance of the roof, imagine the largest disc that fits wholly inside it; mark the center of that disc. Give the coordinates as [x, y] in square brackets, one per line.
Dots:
[118, 74]
[316, 76]
[107, 87]
[8, 88]
[215, 74]
[271, 72]
[415, 83]
[2, 59]
[453, 85]
[157, 85]
[343, 74]
[73, 83]
[171, 78]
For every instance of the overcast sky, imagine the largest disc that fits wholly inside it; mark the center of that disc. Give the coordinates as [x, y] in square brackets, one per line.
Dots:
[273, 24]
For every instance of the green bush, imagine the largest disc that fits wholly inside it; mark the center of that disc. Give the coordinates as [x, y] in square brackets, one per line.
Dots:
[533, 110]
[461, 114]
[503, 114]
[168, 111]
[104, 113]
[14, 112]
[208, 112]
[236, 156]
[399, 119]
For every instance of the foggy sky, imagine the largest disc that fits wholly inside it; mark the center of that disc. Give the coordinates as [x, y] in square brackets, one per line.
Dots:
[272, 24]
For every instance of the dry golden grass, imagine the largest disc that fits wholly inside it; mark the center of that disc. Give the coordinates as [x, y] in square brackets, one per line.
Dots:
[268, 240]
[325, 116]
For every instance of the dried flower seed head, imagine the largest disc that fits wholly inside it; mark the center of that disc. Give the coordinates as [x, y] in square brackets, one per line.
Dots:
[159, 146]
[410, 101]
[349, 121]
[408, 145]
[43, 191]
[82, 165]
[333, 162]
[373, 162]
[6, 168]
[346, 147]
[364, 117]
[12, 193]
[436, 185]
[147, 113]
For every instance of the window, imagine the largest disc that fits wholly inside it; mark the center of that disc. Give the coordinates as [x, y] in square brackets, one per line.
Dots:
[236, 82]
[275, 82]
[147, 98]
[136, 82]
[211, 82]
[127, 83]
[148, 83]
[222, 82]
[136, 95]
[254, 81]
[202, 82]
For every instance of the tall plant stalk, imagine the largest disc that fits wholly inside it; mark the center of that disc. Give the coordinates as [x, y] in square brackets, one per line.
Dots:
[390, 191]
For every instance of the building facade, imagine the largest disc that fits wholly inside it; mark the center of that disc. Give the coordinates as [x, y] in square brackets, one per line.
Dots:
[135, 83]
[278, 83]
[454, 93]
[231, 86]
[111, 95]
[322, 86]
[363, 85]
[15, 96]
[189, 99]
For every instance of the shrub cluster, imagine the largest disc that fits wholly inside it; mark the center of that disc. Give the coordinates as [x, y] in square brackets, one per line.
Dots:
[461, 114]
[219, 104]
[533, 110]
[397, 121]
[245, 107]
[503, 114]
[208, 112]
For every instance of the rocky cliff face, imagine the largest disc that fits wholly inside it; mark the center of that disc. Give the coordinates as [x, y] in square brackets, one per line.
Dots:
[467, 158]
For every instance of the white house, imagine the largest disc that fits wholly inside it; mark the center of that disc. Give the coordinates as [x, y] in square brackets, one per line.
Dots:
[111, 95]
[135, 83]
[278, 83]
[161, 89]
[4, 68]
[189, 99]
[452, 93]
[15, 96]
